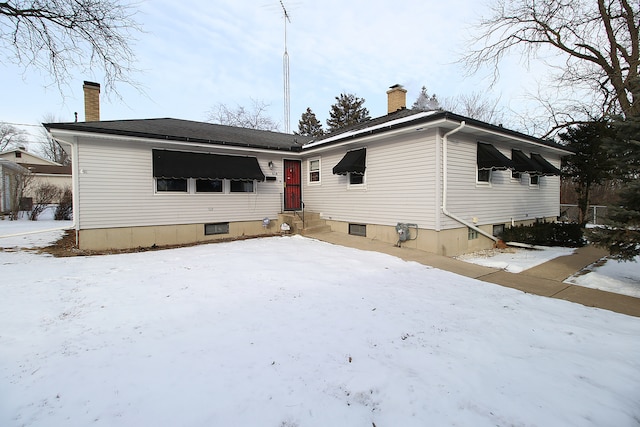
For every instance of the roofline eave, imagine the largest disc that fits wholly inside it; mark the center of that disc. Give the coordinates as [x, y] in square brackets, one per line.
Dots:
[67, 135]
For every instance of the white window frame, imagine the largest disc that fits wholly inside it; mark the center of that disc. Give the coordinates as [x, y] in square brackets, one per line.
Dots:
[224, 188]
[361, 186]
[310, 171]
[254, 187]
[483, 183]
[156, 191]
[191, 188]
[537, 183]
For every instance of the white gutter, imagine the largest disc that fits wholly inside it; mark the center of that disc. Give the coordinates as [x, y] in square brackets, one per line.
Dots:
[445, 139]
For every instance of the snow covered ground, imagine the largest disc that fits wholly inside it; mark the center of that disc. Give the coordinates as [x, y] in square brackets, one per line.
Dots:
[289, 332]
[612, 276]
[515, 260]
[607, 275]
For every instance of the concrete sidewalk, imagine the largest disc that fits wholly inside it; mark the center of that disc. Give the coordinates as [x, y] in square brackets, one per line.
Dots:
[545, 279]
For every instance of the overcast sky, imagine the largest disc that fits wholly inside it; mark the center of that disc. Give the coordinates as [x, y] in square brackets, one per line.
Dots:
[195, 54]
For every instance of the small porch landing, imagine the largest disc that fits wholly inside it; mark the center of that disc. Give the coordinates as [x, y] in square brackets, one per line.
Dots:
[312, 222]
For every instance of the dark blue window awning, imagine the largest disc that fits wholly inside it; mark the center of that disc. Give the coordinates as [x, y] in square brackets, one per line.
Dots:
[353, 162]
[544, 167]
[182, 164]
[489, 158]
[523, 164]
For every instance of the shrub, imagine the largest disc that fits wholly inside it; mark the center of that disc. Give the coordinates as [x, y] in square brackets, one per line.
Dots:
[546, 234]
[64, 211]
[44, 195]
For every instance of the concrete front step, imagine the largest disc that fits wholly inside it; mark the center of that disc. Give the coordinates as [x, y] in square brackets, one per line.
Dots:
[317, 229]
[312, 222]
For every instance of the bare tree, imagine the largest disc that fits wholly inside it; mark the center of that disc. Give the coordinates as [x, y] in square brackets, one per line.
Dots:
[255, 118]
[59, 35]
[51, 149]
[475, 105]
[596, 41]
[11, 136]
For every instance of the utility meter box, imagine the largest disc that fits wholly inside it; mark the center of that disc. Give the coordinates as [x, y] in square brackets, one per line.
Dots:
[403, 231]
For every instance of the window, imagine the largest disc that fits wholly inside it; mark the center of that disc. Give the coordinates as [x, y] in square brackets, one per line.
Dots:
[356, 179]
[472, 234]
[515, 175]
[241, 186]
[534, 179]
[209, 186]
[314, 170]
[171, 185]
[498, 230]
[217, 228]
[358, 230]
[18, 154]
[484, 175]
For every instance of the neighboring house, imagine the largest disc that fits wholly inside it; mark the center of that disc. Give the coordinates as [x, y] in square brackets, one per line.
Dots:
[452, 181]
[10, 174]
[43, 171]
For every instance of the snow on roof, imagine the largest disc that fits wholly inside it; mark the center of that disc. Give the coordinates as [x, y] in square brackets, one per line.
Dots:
[370, 128]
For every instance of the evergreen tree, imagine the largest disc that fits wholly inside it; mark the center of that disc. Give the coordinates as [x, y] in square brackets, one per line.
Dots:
[424, 102]
[309, 125]
[591, 165]
[621, 236]
[348, 110]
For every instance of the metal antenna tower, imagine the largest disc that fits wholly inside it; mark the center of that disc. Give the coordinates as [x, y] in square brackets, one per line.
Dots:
[285, 67]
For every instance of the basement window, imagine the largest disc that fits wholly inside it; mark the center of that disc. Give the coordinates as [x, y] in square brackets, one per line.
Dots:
[358, 230]
[472, 234]
[216, 228]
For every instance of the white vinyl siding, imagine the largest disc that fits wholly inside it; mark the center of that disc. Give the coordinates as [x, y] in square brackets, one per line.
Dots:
[116, 189]
[505, 199]
[399, 184]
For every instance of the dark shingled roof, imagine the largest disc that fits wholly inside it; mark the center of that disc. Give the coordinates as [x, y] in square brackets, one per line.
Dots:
[209, 133]
[186, 130]
[436, 116]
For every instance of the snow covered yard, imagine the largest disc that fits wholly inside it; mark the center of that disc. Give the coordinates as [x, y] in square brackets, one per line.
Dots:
[607, 274]
[291, 332]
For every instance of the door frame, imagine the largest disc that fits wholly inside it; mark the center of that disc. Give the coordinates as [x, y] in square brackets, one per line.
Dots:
[287, 188]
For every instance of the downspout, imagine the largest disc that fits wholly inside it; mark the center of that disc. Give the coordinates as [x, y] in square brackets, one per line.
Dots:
[445, 211]
[75, 188]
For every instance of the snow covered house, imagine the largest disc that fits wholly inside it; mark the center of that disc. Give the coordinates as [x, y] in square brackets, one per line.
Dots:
[431, 180]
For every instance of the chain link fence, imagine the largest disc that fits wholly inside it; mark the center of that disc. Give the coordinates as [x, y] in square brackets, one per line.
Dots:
[596, 214]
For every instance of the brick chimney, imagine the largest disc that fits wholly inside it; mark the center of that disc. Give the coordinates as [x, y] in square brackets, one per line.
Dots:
[396, 98]
[91, 101]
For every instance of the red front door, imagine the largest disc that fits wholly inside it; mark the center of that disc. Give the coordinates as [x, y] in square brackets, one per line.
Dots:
[292, 185]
